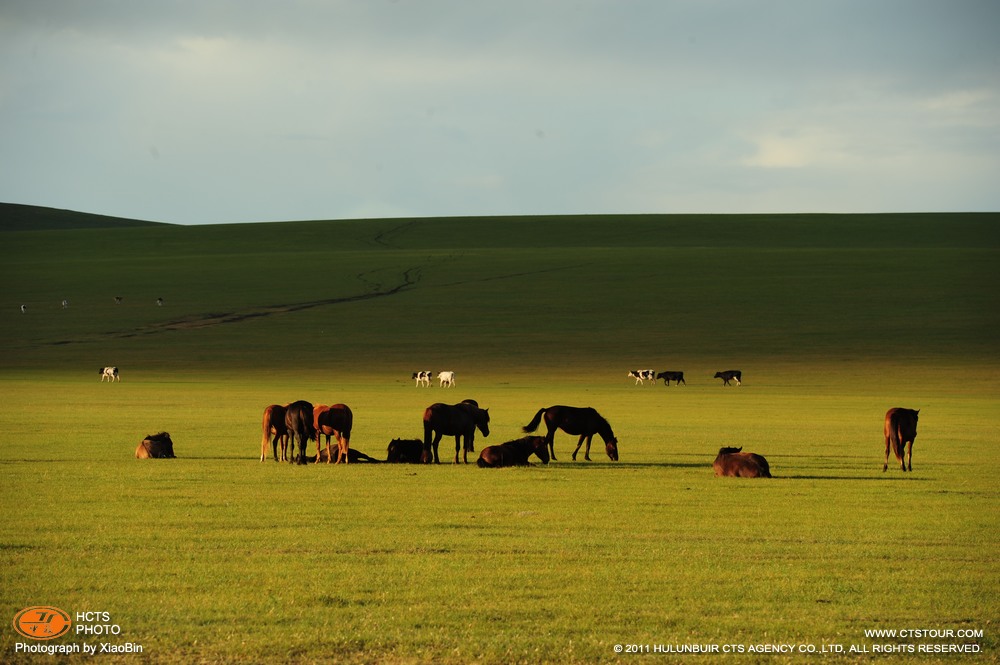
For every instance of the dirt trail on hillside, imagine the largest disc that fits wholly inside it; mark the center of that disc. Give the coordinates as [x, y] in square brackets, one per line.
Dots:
[376, 289]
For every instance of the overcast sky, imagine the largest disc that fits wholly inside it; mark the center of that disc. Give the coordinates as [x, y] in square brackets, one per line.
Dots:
[214, 111]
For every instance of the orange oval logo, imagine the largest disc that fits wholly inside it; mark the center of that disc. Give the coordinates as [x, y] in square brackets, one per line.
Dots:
[42, 622]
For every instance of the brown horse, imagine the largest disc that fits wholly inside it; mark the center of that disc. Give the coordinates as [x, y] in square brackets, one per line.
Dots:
[335, 421]
[155, 446]
[299, 421]
[900, 431]
[575, 420]
[733, 462]
[459, 420]
[514, 453]
[273, 424]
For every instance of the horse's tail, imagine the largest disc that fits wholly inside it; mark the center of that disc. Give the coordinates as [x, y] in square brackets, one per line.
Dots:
[895, 440]
[533, 425]
[266, 426]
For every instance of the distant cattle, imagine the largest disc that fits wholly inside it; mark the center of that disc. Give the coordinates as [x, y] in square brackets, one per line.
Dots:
[65, 304]
[514, 453]
[155, 446]
[446, 379]
[159, 302]
[733, 462]
[109, 373]
[422, 378]
[118, 300]
[730, 375]
[405, 451]
[641, 375]
[900, 431]
[24, 309]
[676, 377]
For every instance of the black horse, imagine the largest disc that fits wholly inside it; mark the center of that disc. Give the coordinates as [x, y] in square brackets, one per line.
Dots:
[458, 420]
[405, 451]
[514, 453]
[900, 431]
[299, 421]
[575, 420]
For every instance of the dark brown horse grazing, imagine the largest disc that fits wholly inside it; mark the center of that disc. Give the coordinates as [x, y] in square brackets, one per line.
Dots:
[405, 451]
[273, 424]
[575, 420]
[514, 453]
[900, 431]
[299, 421]
[335, 421]
[732, 462]
[459, 420]
[155, 446]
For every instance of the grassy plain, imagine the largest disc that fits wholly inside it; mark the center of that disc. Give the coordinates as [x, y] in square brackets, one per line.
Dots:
[214, 557]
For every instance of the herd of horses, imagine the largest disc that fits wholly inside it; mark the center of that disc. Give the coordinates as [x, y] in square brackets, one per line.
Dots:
[300, 421]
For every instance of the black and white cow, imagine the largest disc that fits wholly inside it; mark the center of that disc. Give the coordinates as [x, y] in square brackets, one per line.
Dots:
[676, 377]
[641, 375]
[730, 375]
[422, 378]
[109, 373]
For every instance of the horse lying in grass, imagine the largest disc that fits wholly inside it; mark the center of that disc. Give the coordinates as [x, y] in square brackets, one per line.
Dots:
[155, 446]
[405, 451]
[514, 453]
[733, 462]
[355, 457]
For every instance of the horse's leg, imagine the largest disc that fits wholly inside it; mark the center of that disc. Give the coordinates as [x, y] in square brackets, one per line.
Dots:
[578, 444]
[586, 455]
[343, 448]
[550, 439]
[434, 446]
[909, 455]
[458, 443]
[886, 465]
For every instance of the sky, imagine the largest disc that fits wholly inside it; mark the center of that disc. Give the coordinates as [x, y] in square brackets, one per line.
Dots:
[218, 111]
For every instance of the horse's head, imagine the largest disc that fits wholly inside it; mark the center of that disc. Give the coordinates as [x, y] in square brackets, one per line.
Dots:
[611, 446]
[540, 448]
[483, 421]
[729, 451]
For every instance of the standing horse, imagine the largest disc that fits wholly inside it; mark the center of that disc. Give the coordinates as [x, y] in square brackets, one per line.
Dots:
[900, 431]
[335, 421]
[459, 420]
[575, 420]
[274, 424]
[733, 462]
[299, 421]
[514, 453]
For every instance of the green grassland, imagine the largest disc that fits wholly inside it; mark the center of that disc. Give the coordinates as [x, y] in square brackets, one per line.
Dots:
[215, 557]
